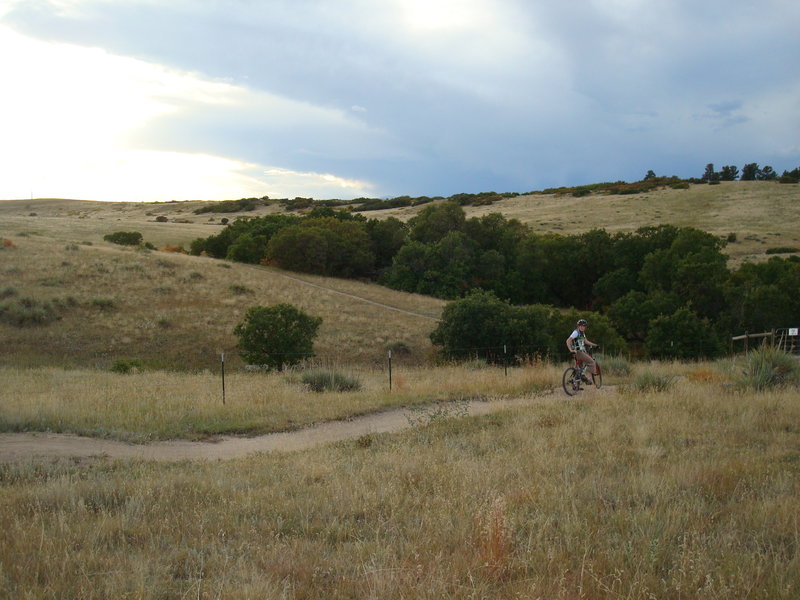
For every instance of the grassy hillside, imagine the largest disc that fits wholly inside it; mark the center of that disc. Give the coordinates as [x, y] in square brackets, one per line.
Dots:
[171, 310]
[762, 214]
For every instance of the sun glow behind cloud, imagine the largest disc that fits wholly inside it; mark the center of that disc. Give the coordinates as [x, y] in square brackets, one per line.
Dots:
[68, 116]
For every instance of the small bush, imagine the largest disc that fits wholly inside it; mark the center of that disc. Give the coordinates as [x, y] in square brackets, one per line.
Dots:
[161, 219]
[8, 244]
[25, 312]
[126, 366]
[103, 303]
[615, 365]
[330, 381]
[124, 238]
[240, 290]
[649, 381]
[8, 293]
[769, 367]
[782, 250]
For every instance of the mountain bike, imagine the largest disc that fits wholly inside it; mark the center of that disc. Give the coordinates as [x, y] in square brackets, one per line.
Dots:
[574, 376]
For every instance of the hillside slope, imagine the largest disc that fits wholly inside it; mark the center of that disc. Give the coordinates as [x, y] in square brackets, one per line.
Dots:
[168, 310]
[178, 311]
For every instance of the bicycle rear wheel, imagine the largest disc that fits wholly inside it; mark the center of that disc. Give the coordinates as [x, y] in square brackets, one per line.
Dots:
[571, 381]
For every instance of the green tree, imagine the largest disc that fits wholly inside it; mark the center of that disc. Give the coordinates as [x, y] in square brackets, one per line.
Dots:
[751, 172]
[387, 236]
[767, 174]
[729, 173]
[710, 174]
[475, 326]
[436, 221]
[763, 296]
[247, 248]
[324, 246]
[408, 267]
[276, 336]
[682, 335]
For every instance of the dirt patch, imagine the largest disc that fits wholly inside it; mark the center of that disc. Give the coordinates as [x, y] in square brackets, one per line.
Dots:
[25, 447]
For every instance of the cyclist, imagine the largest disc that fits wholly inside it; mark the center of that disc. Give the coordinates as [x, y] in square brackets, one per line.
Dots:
[577, 343]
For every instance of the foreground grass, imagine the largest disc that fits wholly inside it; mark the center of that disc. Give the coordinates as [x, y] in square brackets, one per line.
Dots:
[686, 494]
[166, 405]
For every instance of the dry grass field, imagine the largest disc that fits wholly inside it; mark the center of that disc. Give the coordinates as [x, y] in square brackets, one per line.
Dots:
[675, 483]
[687, 493]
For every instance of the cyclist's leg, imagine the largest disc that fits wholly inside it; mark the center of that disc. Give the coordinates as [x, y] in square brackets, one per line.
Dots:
[588, 362]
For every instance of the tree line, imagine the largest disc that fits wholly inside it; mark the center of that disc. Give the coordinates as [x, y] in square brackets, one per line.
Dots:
[666, 290]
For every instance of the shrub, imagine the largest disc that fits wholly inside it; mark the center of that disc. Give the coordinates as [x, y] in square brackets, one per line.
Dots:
[126, 366]
[782, 250]
[103, 303]
[330, 381]
[649, 381]
[8, 292]
[769, 367]
[161, 219]
[124, 238]
[276, 336]
[615, 365]
[24, 312]
[240, 290]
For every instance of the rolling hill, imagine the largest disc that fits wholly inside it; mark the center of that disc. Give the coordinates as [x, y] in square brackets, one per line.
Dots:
[106, 302]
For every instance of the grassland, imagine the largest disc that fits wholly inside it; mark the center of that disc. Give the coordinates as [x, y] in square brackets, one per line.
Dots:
[162, 405]
[689, 493]
[688, 490]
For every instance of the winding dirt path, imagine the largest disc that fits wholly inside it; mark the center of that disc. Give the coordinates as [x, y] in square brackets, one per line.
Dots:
[26, 447]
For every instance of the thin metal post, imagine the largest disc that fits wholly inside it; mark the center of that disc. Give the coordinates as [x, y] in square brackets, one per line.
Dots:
[222, 361]
[390, 370]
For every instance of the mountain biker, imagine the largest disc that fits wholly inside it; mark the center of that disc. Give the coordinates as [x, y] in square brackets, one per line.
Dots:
[576, 344]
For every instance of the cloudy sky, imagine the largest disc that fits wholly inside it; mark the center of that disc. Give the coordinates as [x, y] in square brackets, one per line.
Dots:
[220, 99]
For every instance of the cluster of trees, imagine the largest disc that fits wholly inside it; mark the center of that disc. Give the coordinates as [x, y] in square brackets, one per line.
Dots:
[750, 172]
[666, 289]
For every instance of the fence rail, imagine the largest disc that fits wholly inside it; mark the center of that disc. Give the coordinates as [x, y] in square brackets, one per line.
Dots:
[786, 339]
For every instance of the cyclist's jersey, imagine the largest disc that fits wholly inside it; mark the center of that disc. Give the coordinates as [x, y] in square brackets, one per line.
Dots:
[578, 340]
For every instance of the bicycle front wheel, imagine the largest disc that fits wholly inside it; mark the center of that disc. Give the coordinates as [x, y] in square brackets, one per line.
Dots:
[571, 381]
[597, 378]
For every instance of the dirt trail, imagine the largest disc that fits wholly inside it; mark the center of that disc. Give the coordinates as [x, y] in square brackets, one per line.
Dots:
[24, 447]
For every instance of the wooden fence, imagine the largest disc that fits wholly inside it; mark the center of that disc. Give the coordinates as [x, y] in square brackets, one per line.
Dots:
[786, 339]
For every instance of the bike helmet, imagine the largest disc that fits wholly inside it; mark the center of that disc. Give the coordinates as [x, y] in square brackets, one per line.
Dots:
[582, 322]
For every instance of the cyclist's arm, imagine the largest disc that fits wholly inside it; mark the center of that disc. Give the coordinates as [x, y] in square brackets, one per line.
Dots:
[569, 343]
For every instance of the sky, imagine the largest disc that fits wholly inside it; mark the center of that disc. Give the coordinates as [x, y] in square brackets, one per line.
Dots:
[159, 100]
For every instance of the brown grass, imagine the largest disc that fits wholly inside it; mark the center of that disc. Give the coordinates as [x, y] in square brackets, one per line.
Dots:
[176, 311]
[686, 494]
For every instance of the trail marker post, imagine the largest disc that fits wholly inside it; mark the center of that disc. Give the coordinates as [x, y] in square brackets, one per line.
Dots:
[390, 370]
[222, 364]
